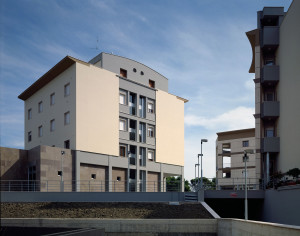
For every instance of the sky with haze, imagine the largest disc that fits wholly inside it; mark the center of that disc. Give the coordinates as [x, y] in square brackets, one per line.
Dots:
[199, 45]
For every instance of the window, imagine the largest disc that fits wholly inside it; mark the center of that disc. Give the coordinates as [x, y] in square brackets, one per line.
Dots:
[67, 144]
[40, 107]
[142, 107]
[29, 137]
[29, 114]
[67, 90]
[142, 72]
[151, 131]
[123, 73]
[151, 106]
[123, 98]
[142, 132]
[52, 99]
[118, 178]
[122, 151]
[52, 125]
[151, 83]
[134, 70]
[246, 143]
[123, 124]
[269, 132]
[151, 155]
[93, 176]
[67, 118]
[40, 131]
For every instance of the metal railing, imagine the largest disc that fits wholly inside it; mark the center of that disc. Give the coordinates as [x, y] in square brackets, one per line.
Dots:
[88, 186]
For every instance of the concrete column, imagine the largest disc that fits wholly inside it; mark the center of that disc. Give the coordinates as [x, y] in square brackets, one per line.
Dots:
[162, 181]
[268, 167]
[109, 174]
[182, 179]
[77, 172]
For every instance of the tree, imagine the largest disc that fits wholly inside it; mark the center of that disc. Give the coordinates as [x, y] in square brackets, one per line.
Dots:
[174, 184]
[294, 172]
[207, 183]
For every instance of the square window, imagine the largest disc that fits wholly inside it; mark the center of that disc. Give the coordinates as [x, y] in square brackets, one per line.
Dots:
[67, 90]
[29, 136]
[151, 107]
[122, 99]
[67, 118]
[122, 151]
[67, 144]
[246, 143]
[40, 107]
[151, 83]
[40, 131]
[93, 176]
[123, 125]
[151, 131]
[123, 73]
[52, 125]
[52, 99]
[118, 178]
[29, 114]
[151, 155]
[59, 173]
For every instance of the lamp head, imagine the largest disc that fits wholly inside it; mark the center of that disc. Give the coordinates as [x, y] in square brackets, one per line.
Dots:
[204, 140]
[248, 151]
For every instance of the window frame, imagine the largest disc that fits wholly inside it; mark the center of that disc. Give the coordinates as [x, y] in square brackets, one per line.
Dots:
[153, 155]
[123, 93]
[67, 142]
[67, 118]
[52, 99]
[150, 102]
[125, 124]
[40, 131]
[29, 114]
[151, 83]
[125, 148]
[67, 89]
[40, 107]
[52, 125]
[29, 136]
[245, 142]
[151, 131]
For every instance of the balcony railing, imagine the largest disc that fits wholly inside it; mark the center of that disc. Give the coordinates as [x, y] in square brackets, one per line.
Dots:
[269, 74]
[270, 144]
[270, 36]
[270, 109]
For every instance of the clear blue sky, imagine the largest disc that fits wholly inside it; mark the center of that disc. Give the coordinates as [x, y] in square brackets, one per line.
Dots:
[199, 45]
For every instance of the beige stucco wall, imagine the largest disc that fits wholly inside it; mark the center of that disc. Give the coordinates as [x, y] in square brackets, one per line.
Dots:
[169, 129]
[62, 104]
[97, 110]
[289, 87]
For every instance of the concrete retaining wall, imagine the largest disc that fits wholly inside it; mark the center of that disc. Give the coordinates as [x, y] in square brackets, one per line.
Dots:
[92, 197]
[232, 227]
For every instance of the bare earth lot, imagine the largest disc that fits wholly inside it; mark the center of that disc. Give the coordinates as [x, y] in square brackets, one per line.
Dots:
[104, 210]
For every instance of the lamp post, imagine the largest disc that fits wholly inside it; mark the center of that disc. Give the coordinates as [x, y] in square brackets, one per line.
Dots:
[245, 157]
[201, 185]
[62, 175]
[128, 154]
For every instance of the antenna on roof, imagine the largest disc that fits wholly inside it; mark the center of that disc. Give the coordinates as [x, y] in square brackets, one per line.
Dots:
[96, 48]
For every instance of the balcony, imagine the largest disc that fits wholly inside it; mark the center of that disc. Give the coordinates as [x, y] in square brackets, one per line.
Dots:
[269, 109]
[269, 37]
[270, 144]
[269, 74]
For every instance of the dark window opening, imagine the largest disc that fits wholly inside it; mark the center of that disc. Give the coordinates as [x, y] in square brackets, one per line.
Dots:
[118, 178]
[134, 70]
[246, 143]
[123, 73]
[67, 144]
[122, 151]
[151, 83]
[59, 173]
[93, 176]
[142, 73]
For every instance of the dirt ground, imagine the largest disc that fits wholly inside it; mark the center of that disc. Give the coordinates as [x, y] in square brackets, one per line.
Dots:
[104, 210]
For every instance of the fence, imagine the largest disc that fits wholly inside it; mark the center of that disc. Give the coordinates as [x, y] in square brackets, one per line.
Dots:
[88, 186]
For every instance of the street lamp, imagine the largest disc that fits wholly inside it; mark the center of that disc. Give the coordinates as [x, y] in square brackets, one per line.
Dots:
[128, 154]
[245, 159]
[201, 185]
[61, 174]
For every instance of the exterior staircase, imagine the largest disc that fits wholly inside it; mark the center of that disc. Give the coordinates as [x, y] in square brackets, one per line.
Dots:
[191, 197]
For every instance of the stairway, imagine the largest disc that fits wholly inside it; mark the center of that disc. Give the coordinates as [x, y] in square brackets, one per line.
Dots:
[191, 197]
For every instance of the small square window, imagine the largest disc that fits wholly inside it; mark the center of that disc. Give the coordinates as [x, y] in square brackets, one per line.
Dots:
[122, 99]
[40, 131]
[93, 176]
[123, 73]
[67, 144]
[151, 107]
[67, 90]
[59, 173]
[29, 136]
[52, 99]
[151, 131]
[40, 107]
[67, 118]
[29, 114]
[246, 143]
[52, 125]
[123, 126]
[122, 151]
[151, 155]
[118, 178]
[151, 83]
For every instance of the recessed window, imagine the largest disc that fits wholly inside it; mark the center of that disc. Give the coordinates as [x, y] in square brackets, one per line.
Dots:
[151, 131]
[123, 97]
[151, 83]
[52, 99]
[67, 89]
[123, 73]
[40, 107]
[134, 70]
[40, 131]
[52, 125]
[151, 155]
[29, 136]
[29, 114]
[122, 151]
[67, 144]
[93, 176]
[118, 178]
[246, 143]
[123, 124]
[59, 173]
[67, 118]
[151, 106]
[142, 73]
